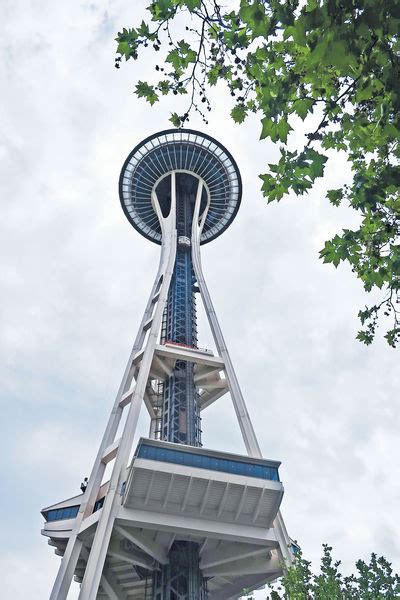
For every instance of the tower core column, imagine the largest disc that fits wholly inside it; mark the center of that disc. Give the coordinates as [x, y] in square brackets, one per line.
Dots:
[180, 415]
[179, 422]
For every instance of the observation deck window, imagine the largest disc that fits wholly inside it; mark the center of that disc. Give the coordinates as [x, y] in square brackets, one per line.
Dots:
[204, 461]
[58, 514]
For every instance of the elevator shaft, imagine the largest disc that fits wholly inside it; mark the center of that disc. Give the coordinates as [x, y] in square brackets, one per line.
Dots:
[180, 421]
[181, 578]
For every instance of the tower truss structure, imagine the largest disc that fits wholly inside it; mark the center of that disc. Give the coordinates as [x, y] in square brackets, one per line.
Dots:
[176, 521]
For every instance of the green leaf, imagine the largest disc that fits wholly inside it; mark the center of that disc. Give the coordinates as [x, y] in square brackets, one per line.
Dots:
[144, 90]
[161, 9]
[268, 128]
[335, 196]
[124, 49]
[366, 337]
[311, 5]
[329, 254]
[175, 120]
[297, 32]
[316, 162]
[303, 107]
[213, 75]
[393, 337]
[181, 56]
[283, 129]
[143, 30]
[164, 86]
[174, 58]
[253, 14]
[239, 113]
[192, 4]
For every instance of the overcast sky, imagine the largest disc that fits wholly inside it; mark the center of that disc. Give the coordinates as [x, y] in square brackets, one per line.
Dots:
[74, 281]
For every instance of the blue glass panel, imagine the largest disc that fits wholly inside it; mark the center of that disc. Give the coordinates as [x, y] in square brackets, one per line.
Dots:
[58, 514]
[207, 462]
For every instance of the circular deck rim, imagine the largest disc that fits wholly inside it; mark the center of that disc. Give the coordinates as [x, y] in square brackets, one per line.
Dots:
[188, 131]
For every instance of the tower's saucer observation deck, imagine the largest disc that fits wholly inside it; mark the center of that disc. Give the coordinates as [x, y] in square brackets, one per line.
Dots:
[187, 151]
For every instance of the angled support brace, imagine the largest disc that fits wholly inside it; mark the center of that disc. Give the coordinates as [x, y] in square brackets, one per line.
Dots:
[144, 542]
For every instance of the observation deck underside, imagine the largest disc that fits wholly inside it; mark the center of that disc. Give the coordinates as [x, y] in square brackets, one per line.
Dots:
[224, 502]
[187, 151]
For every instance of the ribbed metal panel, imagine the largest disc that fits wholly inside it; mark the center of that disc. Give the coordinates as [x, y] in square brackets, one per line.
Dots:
[254, 502]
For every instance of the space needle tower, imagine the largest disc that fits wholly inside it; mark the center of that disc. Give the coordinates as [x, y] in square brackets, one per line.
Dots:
[164, 518]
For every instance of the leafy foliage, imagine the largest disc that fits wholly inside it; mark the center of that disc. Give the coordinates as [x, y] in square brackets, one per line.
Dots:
[337, 61]
[372, 581]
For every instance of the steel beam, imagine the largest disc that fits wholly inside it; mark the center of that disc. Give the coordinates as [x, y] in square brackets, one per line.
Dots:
[145, 541]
